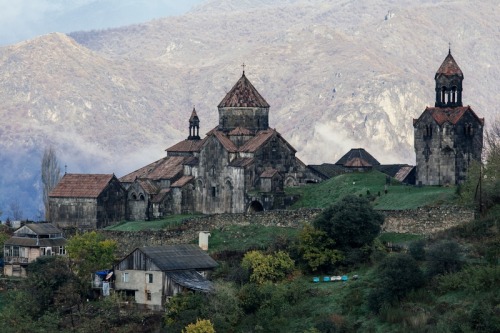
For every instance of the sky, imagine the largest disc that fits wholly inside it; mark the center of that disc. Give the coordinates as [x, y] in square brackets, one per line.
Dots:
[25, 19]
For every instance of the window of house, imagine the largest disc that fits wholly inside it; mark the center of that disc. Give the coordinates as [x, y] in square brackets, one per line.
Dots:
[15, 252]
[62, 250]
[125, 277]
[149, 278]
[148, 295]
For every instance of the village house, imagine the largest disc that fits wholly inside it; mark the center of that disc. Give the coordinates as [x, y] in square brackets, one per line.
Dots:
[87, 201]
[30, 242]
[153, 274]
[448, 136]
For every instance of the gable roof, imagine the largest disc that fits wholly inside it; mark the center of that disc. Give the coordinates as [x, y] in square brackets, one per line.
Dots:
[187, 146]
[243, 94]
[166, 168]
[451, 115]
[258, 141]
[449, 67]
[179, 257]
[182, 181]
[81, 185]
[224, 140]
[148, 186]
[269, 173]
[240, 131]
[357, 157]
[40, 229]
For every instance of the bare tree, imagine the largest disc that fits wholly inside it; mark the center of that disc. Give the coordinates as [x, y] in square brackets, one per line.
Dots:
[51, 174]
[15, 210]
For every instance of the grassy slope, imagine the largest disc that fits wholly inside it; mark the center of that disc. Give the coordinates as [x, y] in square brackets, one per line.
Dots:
[169, 221]
[360, 183]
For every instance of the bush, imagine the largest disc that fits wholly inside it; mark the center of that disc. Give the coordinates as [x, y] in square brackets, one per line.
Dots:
[267, 267]
[396, 276]
[201, 326]
[417, 249]
[443, 258]
[351, 222]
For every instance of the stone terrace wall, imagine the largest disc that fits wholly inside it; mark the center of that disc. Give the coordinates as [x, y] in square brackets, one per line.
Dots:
[419, 221]
[190, 229]
[426, 221]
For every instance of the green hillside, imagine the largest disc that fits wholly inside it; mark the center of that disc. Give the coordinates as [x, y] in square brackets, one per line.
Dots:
[372, 185]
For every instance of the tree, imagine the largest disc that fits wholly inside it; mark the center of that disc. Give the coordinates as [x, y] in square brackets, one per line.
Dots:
[317, 249]
[90, 252]
[51, 174]
[201, 326]
[267, 267]
[396, 276]
[15, 210]
[350, 222]
[443, 258]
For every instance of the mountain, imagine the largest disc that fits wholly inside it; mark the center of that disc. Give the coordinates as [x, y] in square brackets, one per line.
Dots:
[337, 74]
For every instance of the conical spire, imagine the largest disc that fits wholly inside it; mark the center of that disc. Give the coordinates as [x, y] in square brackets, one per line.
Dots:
[194, 126]
[243, 94]
[449, 66]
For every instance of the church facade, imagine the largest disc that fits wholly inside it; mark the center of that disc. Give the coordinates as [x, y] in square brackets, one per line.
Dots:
[241, 165]
[448, 136]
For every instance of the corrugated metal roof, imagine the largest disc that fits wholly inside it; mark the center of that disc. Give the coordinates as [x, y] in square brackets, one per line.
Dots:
[34, 242]
[191, 280]
[40, 229]
[179, 257]
[81, 185]
[359, 153]
[243, 94]
[449, 67]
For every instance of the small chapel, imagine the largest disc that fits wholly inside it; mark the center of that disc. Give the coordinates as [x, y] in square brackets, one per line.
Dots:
[448, 136]
[241, 165]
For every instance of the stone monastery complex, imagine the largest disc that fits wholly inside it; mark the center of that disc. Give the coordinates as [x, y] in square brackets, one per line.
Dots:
[243, 165]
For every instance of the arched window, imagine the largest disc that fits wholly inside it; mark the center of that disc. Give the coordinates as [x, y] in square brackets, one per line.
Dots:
[443, 94]
[454, 94]
[133, 196]
[141, 197]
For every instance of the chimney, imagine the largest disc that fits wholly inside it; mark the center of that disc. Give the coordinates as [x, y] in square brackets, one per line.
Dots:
[203, 240]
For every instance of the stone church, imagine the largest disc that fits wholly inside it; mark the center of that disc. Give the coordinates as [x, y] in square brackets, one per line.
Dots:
[448, 136]
[241, 165]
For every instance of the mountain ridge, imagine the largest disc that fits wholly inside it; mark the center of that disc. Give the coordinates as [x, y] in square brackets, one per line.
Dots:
[336, 74]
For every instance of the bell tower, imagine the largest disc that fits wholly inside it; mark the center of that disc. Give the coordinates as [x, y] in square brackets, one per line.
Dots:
[194, 126]
[449, 79]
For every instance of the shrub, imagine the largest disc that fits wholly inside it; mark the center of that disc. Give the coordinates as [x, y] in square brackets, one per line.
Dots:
[201, 326]
[443, 258]
[396, 276]
[267, 267]
[351, 222]
[317, 249]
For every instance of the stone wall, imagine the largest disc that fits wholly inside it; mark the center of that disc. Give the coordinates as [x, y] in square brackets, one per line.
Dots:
[189, 230]
[426, 221]
[420, 221]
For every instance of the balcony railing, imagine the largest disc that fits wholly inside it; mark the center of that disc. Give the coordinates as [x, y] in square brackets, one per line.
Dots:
[15, 260]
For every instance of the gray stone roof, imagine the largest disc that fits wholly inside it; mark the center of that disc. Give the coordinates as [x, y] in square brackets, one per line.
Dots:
[179, 257]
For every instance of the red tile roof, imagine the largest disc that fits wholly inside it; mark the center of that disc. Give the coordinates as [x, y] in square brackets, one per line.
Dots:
[160, 196]
[240, 131]
[357, 162]
[268, 173]
[166, 168]
[449, 67]
[182, 181]
[193, 115]
[257, 141]
[81, 185]
[186, 146]
[451, 115]
[243, 94]
[241, 162]
[225, 141]
[148, 186]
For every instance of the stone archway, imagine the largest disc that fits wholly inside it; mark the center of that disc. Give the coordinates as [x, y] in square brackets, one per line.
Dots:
[254, 207]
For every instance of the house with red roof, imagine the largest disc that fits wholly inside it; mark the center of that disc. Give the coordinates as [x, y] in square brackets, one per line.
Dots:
[448, 136]
[87, 201]
[240, 165]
